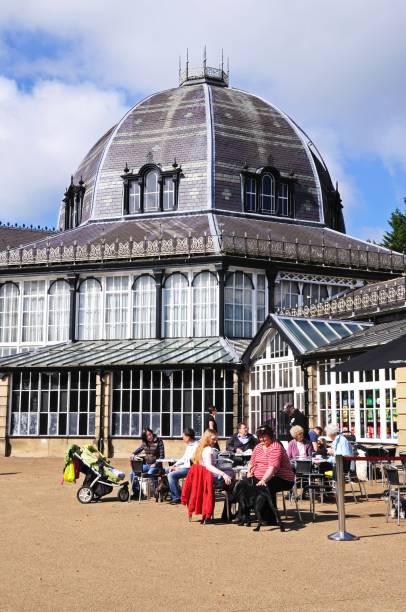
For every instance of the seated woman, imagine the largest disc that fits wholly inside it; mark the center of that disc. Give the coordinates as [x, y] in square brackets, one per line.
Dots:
[206, 454]
[270, 466]
[153, 449]
[298, 447]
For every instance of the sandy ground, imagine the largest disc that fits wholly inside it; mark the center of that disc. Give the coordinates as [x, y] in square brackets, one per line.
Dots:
[57, 554]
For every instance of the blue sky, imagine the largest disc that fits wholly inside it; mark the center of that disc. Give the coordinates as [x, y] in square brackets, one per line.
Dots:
[69, 70]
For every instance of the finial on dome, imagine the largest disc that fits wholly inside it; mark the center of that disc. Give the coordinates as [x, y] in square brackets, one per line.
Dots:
[205, 73]
[126, 168]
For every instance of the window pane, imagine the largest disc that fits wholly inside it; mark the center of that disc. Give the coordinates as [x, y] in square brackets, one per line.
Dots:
[151, 192]
[238, 305]
[144, 306]
[58, 311]
[205, 304]
[90, 310]
[175, 306]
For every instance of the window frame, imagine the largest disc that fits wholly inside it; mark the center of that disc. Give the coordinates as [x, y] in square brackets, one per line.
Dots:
[140, 177]
[283, 205]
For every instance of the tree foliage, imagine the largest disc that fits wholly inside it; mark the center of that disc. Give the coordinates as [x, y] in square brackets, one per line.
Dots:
[395, 238]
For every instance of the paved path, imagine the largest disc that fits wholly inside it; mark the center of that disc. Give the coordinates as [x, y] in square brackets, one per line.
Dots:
[56, 554]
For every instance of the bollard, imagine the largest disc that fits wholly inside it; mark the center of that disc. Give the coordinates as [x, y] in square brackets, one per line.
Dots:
[341, 535]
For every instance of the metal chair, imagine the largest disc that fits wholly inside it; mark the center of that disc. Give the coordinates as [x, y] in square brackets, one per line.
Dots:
[394, 491]
[136, 469]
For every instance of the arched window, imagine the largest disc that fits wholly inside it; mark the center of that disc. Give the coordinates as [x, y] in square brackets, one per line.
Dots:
[151, 191]
[268, 194]
[33, 311]
[90, 310]
[238, 305]
[205, 304]
[175, 306]
[9, 293]
[117, 304]
[58, 311]
[144, 307]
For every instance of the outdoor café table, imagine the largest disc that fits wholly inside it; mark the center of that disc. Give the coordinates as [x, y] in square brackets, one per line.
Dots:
[242, 458]
[240, 472]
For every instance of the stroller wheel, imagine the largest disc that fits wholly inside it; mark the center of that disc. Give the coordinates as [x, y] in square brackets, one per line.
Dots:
[85, 495]
[123, 494]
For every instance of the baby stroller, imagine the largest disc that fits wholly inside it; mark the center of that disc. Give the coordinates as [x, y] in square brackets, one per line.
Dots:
[100, 477]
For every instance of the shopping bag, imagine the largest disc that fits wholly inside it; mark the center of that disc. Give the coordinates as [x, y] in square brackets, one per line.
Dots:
[69, 473]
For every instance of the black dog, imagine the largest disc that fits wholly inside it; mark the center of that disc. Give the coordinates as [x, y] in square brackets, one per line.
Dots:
[162, 489]
[251, 497]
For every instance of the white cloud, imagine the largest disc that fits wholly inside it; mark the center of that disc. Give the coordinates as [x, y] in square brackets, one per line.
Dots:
[337, 67]
[43, 136]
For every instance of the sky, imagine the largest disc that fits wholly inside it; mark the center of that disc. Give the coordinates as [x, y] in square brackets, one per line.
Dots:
[70, 69]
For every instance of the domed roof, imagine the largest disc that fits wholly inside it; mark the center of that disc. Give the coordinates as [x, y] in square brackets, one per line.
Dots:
[213, 132]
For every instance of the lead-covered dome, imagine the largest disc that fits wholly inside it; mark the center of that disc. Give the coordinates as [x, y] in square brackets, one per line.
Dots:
[217, 135]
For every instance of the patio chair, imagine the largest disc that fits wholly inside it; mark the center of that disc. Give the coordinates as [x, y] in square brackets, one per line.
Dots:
[143, 477]
[395, 489]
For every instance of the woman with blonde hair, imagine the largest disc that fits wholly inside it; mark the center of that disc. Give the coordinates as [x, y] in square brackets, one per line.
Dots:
[206, 455]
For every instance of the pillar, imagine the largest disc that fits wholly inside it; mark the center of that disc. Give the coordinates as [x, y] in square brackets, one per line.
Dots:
[72, 280]
[221, 272]
[158, 276]
[4, 402]
[310, 375]
[400, 375]
[103, 412]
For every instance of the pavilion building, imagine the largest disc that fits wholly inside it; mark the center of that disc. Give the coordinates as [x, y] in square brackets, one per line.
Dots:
[185, 230]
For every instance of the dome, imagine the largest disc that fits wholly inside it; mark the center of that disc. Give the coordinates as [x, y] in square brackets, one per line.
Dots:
[214, 133]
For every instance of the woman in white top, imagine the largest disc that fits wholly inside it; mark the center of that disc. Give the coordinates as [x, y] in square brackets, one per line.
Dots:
[206, 454]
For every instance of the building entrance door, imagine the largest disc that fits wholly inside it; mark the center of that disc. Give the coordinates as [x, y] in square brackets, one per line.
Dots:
[272, 412]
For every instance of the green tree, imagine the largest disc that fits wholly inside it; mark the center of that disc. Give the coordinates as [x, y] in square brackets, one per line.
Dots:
[395, 238]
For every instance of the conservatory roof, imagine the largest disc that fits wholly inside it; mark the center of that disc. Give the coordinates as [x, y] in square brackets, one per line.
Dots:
[121, 353]
[302, 334]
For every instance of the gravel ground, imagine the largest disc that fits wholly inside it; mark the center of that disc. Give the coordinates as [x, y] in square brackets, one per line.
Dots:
[57, 554]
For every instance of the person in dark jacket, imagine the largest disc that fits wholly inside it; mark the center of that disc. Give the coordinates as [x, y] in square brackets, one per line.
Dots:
[211, 423]
[241, 441]
[296, 417]
[153, 449]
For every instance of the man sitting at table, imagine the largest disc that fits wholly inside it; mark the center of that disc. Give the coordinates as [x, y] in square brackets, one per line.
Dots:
[241, 441]
[314, 435]
[181, 467]
[340, 445]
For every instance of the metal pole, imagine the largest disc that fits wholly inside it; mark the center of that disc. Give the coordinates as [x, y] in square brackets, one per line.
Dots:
[341, 535]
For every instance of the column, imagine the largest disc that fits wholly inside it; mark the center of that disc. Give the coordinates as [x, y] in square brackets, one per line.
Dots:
[4, 401]
[310, 394]
[72, 280]
[158, 276]
[103, 411]
[400, 375]
[221, 272]
[270, 277]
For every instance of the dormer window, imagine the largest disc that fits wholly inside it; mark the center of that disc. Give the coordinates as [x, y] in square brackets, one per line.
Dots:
[268, 194]
[151, 189]
[265, 191]
[73, 199]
